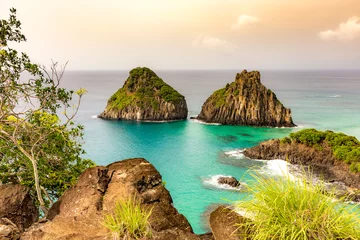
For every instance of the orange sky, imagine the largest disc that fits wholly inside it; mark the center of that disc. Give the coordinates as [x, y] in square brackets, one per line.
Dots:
[191, 34]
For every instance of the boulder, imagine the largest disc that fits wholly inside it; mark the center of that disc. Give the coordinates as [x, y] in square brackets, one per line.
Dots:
[80, 212]
[17, 205]
[246, 101]
[223, 224]
[8, 230]
[230, 181]
[145, 97]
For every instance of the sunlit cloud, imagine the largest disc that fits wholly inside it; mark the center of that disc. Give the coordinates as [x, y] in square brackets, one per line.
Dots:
[214, 43]
[244, 20]
[346, 31]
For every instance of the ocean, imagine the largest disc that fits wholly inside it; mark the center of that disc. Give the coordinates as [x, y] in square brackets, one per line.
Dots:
[191, 155]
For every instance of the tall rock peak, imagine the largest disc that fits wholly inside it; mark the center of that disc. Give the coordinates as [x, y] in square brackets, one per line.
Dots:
[246, 101]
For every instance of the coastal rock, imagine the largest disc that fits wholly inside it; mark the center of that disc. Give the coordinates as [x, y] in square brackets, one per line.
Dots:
[321, 160]
[79, 213]
[246, 102]
[17, 205]
[223, 224]
[230, 181]
[145, 97]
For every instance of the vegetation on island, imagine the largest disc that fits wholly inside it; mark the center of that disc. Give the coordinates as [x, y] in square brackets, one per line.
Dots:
[288, 208]
[143, 88]
[39, 147]
[129, 220]
[344, 147]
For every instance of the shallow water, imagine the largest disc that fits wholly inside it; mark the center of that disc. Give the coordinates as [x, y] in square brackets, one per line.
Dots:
[189, 153]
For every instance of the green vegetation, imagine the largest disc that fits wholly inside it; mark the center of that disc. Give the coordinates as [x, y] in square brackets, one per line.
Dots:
[142, 88]
[37, 149]
[129, 220]
[344, 147]
[285, 208]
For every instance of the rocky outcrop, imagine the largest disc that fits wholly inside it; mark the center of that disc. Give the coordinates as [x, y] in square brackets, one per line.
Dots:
[230, 181]
[224, 224]
[79, 213]
[246, 102]
[320, 159]
[146, 97]
[17, 205]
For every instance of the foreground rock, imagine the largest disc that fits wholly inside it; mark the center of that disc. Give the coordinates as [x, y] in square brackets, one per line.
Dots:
[17, 205]
[322, 161]
[246, 102]
[223, 224]
[79, 213]
[230, 181]
[8, 230]
[145, 96]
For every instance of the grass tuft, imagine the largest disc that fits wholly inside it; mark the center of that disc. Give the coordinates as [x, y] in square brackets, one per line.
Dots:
[287, 208]
[129, 220]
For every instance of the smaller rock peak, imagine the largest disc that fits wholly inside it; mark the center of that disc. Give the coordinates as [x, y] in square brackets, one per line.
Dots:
[142, 71]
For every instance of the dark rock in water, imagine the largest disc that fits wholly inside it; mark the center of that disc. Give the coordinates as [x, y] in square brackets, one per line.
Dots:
[145, 96]
[17, 205]
[230, 181]
[223, 224]
[228, 138]
[245, 135]
[246, 102]
[79, 212]
[8, 230]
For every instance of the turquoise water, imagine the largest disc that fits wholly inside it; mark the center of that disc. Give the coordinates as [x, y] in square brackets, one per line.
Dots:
[188, 153]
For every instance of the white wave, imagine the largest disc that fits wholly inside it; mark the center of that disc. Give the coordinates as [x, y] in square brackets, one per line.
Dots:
[336, 96]
[202, 122]
[212, 182]
[235, 153]
[95, 116]
[277, 167]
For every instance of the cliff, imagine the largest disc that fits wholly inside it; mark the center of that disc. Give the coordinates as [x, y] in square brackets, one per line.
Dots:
[145, 96]
[335, 156]
[246, 102]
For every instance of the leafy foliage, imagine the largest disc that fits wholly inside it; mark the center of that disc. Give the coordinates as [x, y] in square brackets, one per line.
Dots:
[129, 220]
[37, 149]
[142, 88]
[285, 208]
[344, 147]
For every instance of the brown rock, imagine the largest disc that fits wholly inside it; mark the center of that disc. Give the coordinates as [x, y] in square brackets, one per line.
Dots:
[80, 211]
[8, 230]
[17, 205]
[246, 102]
[223, 223]
[230, 181]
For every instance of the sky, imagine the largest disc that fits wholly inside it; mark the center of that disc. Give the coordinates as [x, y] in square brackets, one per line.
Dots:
[190, 34]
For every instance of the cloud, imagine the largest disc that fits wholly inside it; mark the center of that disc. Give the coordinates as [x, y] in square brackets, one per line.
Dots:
[346, 31]
[244, 20]
[214, 43]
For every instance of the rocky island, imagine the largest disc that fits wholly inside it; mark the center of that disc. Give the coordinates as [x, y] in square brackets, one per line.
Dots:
[246, 101]
[333, 156]
[145, 96]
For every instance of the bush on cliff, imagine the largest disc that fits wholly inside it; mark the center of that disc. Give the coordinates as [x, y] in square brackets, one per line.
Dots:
[344, 147]
[129, 220]
[37, 148]
[285, 208]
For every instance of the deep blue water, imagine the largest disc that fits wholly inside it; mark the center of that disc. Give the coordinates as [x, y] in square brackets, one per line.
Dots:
[189, 153]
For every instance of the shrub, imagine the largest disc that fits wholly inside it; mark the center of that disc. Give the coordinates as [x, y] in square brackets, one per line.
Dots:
[293, 209]
[129, 220]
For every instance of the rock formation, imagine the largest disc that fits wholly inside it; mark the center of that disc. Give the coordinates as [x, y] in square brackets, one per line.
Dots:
[79, 213]
[246, 102]
[321, 159]
[145, 96]
[17, 205]
[230, 181]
